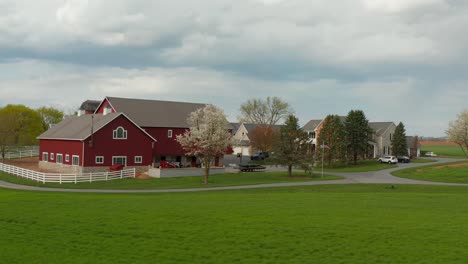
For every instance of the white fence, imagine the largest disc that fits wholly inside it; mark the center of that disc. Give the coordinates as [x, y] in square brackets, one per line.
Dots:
[22, 154]
[67, 178]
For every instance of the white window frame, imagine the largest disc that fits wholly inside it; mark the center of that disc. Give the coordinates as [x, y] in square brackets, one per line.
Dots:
[138, 159]
[52, 157]
[169, 133]
[73, 160]
[61, 158]
[115, 133]
[99, 162]
[67, 158]
[46, 154]
[117, 157]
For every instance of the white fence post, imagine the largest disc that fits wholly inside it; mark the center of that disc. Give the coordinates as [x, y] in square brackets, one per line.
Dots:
[91, 177]
[107, 175]
[134, 173]
[121, 174]
[60, 178]
[75, 178]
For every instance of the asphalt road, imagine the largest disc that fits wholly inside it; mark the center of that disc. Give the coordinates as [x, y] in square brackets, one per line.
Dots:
[382, 177]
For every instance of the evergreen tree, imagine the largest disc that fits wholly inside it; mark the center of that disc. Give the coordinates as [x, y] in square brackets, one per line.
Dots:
[357, 134]
[332, 136]
[292, 145]
[399, 145]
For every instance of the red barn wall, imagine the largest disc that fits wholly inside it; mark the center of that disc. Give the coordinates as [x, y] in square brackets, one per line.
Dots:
[164, 144]
[70, 147]
[103, 105]
[136, 144]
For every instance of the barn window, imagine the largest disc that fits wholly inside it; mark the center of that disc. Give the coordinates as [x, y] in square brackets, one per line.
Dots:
[51, 156]
[75, 160]
[119, 160]
[169, 133]
[45, 156]
[120, 133]
[99, 159]
[67, 158]
[138, 159]
[59, 158]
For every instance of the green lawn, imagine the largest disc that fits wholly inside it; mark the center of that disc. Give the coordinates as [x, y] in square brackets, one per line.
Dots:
[362, 166]
[436, 173]
[445, 151]
[314, 224]
[181, 182]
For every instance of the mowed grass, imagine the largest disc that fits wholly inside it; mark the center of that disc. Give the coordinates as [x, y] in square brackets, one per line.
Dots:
[314, 224]
[445, 151]
[180, 182]
[436, 173]
[362, 166]
[422, 160]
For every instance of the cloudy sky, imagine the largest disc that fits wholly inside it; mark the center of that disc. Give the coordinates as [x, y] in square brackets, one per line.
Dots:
[398, 60]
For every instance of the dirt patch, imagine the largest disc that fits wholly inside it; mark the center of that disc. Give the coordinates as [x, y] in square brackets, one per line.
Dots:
[458, 165]
[27, 163]
[430, 143]
[140, 175]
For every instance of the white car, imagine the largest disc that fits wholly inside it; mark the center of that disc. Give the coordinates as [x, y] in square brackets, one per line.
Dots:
[431, 154]
[388, 159]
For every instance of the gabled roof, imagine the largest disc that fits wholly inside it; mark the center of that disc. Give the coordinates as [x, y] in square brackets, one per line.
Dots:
[79, 127]
[312, 125]
[154, 113]
[380, 127]
[235, 127]
[410, 141]
[90, 105]
[251, 127]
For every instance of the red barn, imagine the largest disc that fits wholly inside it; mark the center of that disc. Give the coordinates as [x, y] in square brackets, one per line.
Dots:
[163, 120]
[94, 143]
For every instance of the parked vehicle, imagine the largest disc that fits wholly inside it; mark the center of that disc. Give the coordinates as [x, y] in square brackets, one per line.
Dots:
[403, 159]
[260, 156]
[431, 154]
[388, 159]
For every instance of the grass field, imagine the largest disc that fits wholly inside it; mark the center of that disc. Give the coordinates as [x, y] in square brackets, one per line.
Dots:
[314, 224]
[448, 172]
[445, 151]
[181, 182]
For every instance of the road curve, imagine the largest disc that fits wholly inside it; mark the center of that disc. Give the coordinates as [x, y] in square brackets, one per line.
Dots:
[376, 177]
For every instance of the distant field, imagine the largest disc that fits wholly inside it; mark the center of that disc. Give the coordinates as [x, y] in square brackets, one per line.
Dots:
[445, 150]
[310, 224]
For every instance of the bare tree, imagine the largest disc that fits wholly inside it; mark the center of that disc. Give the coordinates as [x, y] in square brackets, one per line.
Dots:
[264, 112]
[208, 136]
[262, 138]
[458, 131]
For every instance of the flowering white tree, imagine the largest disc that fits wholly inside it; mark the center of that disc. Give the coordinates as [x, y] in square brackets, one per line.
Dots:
[208, 136]
[458, 131]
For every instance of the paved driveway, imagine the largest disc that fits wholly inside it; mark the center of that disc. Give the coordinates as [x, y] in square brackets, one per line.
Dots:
[383, 177]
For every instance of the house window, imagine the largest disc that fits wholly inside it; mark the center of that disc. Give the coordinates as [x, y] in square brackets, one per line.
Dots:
[99, 159]
[119, 160]
[67, 158]
[313, 134]
[120, 133]
[45, 156]
[75, 160]
[59, 158]
[169, 133]
[51, 156]
[138, 159]
[107, 110]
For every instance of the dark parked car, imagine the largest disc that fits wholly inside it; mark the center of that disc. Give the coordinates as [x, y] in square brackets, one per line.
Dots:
[403, 159]
[260, 156]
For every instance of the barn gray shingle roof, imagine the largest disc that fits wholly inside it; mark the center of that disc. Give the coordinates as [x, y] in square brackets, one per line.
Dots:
[155, 113]
[90, 105]
[78, 127]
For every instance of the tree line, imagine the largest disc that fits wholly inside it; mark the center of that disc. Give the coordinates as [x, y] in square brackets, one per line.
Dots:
[21, 125]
